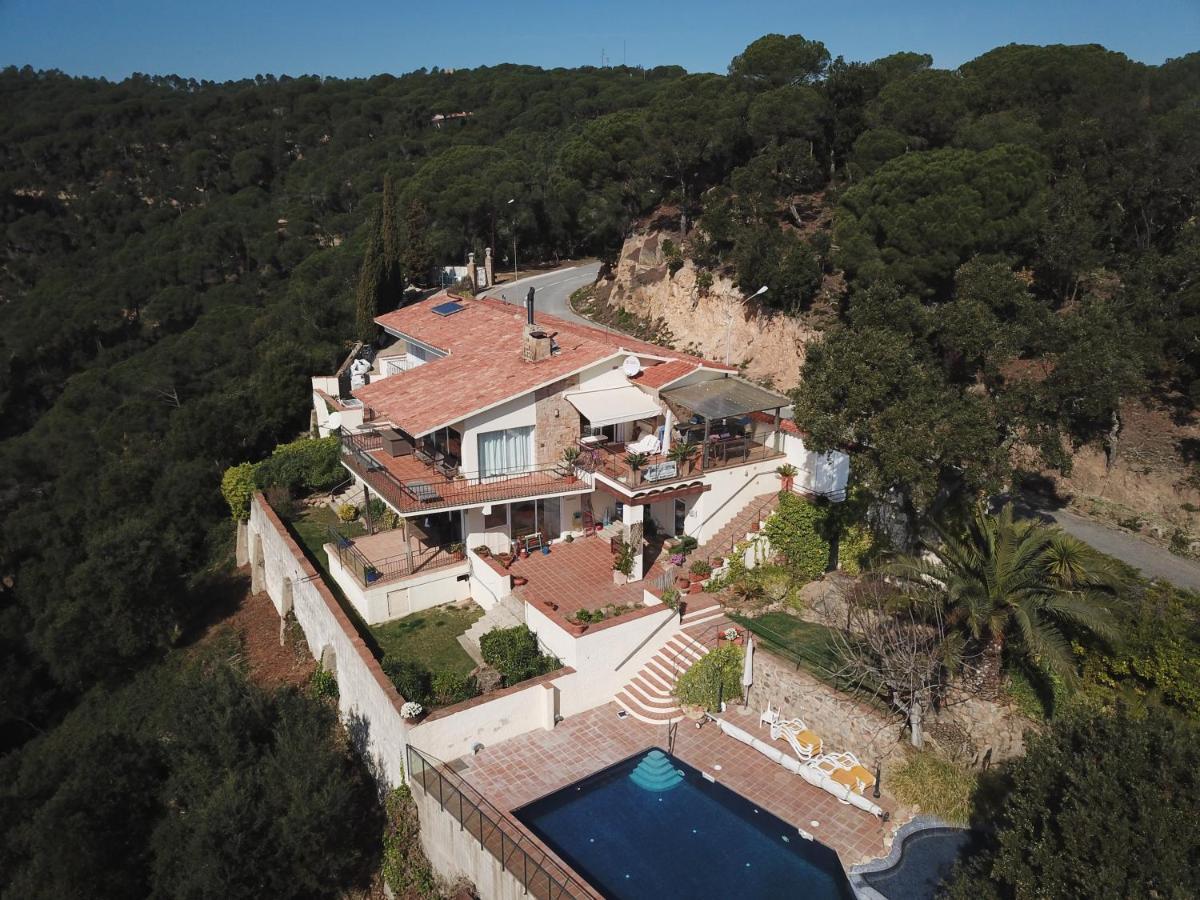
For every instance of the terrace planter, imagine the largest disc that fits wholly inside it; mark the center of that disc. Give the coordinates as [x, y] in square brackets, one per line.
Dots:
[716, 562]
[755, 526]
[576, 628]
[519, 581]
[620, 577]
[682, 582]
[696, 587]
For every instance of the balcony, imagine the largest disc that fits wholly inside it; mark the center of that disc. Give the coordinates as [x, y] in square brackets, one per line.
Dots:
[388, 556]
[608, 459]
[413, 484]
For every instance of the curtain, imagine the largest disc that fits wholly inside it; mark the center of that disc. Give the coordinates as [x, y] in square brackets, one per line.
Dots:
[505, 452]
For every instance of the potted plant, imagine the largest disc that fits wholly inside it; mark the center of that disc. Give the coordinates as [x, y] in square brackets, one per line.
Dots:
[570, 456]
[635, 461]
[456, 551]
[671, 598]
[370, 574]
[787, 476]
[682, 455]
[482, 551]
[700, 570]
[623, 563]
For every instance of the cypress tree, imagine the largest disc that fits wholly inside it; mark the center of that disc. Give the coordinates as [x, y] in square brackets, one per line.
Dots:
[393, 269]
[417, 255]
[371, 283]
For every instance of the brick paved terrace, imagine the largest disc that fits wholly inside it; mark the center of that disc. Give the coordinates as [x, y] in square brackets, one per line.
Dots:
[515, 772]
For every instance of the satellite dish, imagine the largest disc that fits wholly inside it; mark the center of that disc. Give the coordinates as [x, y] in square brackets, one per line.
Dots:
[632, 366]
[334, 422]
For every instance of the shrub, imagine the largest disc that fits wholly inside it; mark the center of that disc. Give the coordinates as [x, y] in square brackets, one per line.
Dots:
[704, 281]
[714, 677]
[673, 255]
[322, 683]
[687, 544]
[347, 512]
[671, 597]
[514, 653]
[309, 464]
[856, 546]
[941, 788]
[237, 487]
[412, 680]
[376, 509]
[700, 567]
[405, 867]
[797, 530]
[451, 687]
[623, 562]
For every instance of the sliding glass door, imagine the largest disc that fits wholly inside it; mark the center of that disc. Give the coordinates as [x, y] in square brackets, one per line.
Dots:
[505, 452]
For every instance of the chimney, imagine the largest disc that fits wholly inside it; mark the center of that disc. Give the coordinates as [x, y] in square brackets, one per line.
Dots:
[529, 307]
[536, 344]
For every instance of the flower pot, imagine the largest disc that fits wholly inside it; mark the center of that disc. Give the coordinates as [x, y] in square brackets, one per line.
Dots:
[620, 577]
[519, 580]
[755, 526]
[545, 549]
[696, 587]
[576, 628]
[786, 482]
[716, 562]
[682, 582]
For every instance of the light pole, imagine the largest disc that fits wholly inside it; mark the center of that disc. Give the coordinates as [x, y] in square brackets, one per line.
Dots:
[513, 222]
[729, 323]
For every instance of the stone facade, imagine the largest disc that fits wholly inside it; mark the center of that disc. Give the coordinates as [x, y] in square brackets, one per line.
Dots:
[557, 421]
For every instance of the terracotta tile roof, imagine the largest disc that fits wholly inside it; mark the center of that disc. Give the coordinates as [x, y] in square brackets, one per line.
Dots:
[787, 426]
[483, 365]
[663, 374]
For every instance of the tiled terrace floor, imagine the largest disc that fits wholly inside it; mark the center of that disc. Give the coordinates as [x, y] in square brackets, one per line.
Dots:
[520, 770]
[578, 576]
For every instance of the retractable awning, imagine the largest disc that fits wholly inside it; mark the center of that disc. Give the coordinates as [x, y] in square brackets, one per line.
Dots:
[609, 406]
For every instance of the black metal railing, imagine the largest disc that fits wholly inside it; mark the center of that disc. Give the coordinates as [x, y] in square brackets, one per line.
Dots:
[496, 833]
[371, 572]
[609, 459]
[439, 490]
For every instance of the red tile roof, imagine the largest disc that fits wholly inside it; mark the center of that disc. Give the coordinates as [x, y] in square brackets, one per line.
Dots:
[664, 373]
[483, 365]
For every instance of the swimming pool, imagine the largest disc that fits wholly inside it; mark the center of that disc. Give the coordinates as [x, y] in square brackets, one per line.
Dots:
[653, 827]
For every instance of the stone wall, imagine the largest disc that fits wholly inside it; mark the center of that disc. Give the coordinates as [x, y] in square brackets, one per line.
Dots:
[712, 323]
[557, 421]
[843, 723]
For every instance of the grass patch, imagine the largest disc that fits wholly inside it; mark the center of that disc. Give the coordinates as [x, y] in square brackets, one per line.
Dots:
[939, 787]
[312, 529]
[804, 643]
[429, 638]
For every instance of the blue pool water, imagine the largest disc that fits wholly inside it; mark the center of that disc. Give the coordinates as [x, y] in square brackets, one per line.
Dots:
[652, 827]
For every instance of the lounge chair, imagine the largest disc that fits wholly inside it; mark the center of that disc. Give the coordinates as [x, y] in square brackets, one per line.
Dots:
[845, 769]
[805, 743]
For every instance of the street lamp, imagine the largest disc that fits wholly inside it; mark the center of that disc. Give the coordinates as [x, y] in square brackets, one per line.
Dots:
[513, 222]
[729, 323]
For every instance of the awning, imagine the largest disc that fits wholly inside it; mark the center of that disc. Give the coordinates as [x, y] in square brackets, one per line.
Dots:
[612, 405]
[724, 398]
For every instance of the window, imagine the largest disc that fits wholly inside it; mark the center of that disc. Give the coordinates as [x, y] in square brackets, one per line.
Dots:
[507, 451]
[680, 515]
[549, 521]
[497, 518]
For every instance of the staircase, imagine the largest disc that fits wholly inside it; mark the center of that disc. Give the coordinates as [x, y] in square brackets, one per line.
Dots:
[499, 616]
[649, 696]
[754, 512]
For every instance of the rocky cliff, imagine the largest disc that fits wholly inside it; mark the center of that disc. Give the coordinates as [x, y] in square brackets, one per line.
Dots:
[715, 322]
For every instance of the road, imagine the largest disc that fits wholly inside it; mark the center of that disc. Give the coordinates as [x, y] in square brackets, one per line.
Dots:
[1150, 559]
[553, 290]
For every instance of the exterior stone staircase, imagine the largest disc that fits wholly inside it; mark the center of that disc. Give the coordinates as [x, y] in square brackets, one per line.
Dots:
[757, 511]
[649, 696]
[502, 615]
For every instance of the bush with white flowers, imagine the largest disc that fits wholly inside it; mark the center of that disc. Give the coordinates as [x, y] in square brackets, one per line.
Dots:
[411, 710]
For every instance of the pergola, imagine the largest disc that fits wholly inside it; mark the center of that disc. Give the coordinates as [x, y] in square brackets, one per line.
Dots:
[724, 398]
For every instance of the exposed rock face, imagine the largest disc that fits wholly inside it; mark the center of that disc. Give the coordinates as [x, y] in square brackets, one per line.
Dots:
[716, 323]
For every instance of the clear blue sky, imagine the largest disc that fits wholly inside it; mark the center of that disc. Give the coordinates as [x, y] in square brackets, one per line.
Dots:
[222, 39]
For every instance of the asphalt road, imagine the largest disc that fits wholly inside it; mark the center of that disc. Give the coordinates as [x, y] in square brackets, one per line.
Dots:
[1151, 560]
[552, 290]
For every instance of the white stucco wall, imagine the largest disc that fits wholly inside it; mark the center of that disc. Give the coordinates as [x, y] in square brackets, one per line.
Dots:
[456, 731]
[819, 472]
[396, 599]
[488, 587]
[732, 489]
[367, 700]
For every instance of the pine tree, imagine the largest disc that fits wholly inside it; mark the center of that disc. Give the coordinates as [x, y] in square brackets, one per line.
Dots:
[371, 283]
[417, 256]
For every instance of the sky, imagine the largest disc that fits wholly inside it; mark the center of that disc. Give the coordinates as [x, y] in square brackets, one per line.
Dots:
[230, 39]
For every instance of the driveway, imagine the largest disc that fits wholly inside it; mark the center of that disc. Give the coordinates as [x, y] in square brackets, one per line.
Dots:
[553, 290]
[1149, 559]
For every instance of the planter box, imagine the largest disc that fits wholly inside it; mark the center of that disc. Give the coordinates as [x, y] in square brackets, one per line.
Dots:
[620, 577]
[575, 628]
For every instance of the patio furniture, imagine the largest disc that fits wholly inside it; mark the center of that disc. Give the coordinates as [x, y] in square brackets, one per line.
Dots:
[424, 491]
[804, 742]
[769, 716]
[846, 770]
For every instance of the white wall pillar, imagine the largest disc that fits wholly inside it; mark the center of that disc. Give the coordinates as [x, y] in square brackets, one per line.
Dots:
[633, 518]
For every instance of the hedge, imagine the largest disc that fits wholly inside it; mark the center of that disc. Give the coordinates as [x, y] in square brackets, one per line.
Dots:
[714, 677]
[514, 653]
[798, 530]
[309, 464]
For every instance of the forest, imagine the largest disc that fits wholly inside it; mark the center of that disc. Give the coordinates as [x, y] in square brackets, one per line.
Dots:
[1017, 238]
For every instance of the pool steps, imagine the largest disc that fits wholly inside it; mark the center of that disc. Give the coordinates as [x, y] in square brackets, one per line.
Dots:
[656, 773]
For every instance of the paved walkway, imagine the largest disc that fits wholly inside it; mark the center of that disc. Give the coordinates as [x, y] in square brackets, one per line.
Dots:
[1150, 559]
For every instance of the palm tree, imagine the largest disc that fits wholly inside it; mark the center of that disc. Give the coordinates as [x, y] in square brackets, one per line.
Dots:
[1012, 584]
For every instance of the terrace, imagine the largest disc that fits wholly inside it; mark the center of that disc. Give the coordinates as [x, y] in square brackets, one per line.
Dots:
[720, 451]
[517, 771]
[418, 482]
[393, 555]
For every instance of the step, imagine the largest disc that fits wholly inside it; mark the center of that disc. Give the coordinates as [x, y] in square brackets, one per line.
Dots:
[656, 678]
[647, 702]
[627, 704]
[663, 671]
[702, 615]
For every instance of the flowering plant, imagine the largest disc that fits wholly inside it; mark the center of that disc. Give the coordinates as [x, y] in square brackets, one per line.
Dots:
[677, 559]
[411, 710]
[731, 634]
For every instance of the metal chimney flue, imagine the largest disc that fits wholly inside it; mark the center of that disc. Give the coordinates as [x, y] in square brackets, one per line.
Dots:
[529, 307]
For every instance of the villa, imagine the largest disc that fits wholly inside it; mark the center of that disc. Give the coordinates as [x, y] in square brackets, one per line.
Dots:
[553, 474]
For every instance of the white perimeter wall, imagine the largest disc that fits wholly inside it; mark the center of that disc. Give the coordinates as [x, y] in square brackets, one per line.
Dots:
[367, 700]
[819, 472]
[396, 599]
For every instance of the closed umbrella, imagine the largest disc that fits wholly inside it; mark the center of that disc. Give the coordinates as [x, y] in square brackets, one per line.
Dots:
[748, 669]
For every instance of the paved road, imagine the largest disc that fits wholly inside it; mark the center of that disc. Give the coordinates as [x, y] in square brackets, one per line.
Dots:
[1150, 559]
[553, 290]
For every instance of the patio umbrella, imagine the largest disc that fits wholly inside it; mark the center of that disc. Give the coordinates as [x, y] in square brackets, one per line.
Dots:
[748, 669]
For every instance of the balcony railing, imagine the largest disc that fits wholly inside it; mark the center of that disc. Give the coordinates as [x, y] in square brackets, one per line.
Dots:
[373, 572]
[609, 459]
[518, 854]
[409, 485]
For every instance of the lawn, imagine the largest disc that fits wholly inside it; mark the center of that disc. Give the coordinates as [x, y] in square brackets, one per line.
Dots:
[312, 528]
[805, 643]
[430, 638]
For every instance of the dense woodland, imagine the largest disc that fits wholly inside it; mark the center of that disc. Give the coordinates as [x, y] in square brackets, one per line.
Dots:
[1017, 238]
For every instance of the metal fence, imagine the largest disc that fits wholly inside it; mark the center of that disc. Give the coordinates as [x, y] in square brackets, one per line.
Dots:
[518, 854]
[370, 572]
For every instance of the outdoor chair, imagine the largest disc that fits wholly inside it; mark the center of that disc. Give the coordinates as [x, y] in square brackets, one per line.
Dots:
[805, 743]
[768, 717]
[846, 770]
